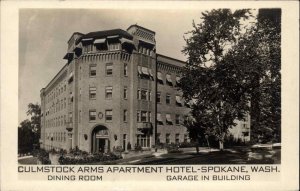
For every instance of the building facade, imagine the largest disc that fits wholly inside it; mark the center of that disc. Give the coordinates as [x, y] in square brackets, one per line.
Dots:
[114, 91]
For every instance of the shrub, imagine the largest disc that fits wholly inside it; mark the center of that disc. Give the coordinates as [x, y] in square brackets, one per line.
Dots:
[138, 148]
[173, 148]
[42, 156]
[187, 144]
[77, 156]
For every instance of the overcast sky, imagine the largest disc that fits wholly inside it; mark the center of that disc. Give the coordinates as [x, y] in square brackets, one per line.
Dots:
[44, 34]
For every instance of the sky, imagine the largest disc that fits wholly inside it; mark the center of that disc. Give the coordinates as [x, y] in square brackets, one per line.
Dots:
[43, 36]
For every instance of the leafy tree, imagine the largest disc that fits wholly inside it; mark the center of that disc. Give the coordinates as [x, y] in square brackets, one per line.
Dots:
[25, 137]
[259, 54]
[29, 130]
[34, 111]
[231, 67]
[211, 77]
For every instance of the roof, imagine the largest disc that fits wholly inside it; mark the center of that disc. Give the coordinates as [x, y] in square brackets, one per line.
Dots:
[138, 26]
[103, 34]
[79, 33]
[169, 58]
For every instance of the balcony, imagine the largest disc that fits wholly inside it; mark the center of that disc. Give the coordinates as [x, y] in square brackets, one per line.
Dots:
[145, 127]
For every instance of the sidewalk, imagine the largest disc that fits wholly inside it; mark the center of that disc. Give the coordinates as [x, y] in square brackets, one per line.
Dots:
[156, 156]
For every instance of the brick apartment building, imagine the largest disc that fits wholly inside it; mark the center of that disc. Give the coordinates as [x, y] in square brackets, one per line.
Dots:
[113, 91]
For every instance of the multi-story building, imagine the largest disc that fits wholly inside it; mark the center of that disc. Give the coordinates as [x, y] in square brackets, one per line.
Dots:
[114, 91]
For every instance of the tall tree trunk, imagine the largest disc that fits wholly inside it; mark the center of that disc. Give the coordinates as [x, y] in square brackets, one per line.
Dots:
[221, 145]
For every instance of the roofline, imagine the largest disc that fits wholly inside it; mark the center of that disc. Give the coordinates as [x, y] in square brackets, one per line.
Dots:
[54, 77]
[135, 25]
[183, 62]
[75, 33]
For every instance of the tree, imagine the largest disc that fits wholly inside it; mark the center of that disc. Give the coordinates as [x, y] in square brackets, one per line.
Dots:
[25, 137]
[232, 70]
[211, 77]
[259, 54]
[29, 130]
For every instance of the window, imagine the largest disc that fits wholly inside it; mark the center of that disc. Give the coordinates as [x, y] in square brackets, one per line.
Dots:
[169, 80]
[139, 94]
[125, 95]
[159, 119]
[92, 71]
[138, 115]
[158, 137]
[108, 92]
[177, 80]
[185, 139]
[158, 97]
[168, 99]
[149, 116]
[125, 115]
[178, 101]
[159, 78]
[177, 119]
[108, 115]
[70, 117]
[71, 97]
[114, 46]
[168, 138]
[144, 94]
[92, 115]
[109, 69]
[65, 103]
[79, 120]
[124, 141]
[169, 119]
[79, 93]
[143, 116]
[93, 92]
[176, 138]
[143, 140]
[149, 95]
[125, 69]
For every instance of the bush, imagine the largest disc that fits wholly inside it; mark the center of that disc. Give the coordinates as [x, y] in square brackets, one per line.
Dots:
[138, 148]
[173, 148]
[187, 144]
[231, 141]
[77, 156]
[42, 156]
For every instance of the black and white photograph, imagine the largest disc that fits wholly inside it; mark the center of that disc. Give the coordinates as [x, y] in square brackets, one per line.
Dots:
[131, 91]
[174, 92]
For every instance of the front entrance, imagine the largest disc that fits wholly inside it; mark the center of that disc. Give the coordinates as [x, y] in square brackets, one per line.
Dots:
[100, 145]
[100, 140]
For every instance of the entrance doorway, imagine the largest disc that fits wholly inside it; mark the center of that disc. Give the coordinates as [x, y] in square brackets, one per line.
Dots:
[100, 140]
